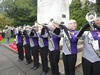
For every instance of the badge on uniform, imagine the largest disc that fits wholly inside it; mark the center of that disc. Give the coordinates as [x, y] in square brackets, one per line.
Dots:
[98, 34]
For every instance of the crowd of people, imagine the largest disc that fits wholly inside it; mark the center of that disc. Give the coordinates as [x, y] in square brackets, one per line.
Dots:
[45, 39]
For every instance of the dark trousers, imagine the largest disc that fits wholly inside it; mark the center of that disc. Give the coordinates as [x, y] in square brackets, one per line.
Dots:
[44, 59]
[90, 68]
[35, 51]
[20, 51]
[69, 63]
[27, 53]
[54, 60]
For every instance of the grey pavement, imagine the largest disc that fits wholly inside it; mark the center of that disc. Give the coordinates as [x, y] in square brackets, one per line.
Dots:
[10, 66]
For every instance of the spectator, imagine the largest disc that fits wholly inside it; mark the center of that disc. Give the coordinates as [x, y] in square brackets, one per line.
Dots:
[7, 34]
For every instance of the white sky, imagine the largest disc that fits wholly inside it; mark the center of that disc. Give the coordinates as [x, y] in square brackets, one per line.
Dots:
[93, 1]
[0, 1]
[70, 1]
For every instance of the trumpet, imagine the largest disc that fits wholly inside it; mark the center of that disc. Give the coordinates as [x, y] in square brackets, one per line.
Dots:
[90, 17]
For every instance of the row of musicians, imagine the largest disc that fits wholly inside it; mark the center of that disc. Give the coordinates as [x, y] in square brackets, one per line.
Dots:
[48, 43]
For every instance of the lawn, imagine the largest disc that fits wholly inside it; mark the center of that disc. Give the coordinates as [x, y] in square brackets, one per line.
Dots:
[4, 40]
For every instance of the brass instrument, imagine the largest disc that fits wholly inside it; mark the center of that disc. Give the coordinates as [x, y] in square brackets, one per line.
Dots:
[90, 17]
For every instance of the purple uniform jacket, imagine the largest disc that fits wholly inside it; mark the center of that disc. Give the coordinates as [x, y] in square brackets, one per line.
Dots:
[74, 42]
[56, 40]
[20, 39]
[45, 40]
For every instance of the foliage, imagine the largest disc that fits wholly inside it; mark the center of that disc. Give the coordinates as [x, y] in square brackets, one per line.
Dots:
[78, 13]
[5, 21]
[22, 11]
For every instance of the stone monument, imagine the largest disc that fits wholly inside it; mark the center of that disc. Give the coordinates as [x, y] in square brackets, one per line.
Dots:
[52, 9]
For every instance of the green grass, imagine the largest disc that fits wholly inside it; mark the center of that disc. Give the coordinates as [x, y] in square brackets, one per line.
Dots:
[4, 40]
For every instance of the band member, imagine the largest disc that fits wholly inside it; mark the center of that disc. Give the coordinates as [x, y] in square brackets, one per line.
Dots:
[54, 50]
[27, 46]
[43, 43]
[91, 49]
[19, 43]
[69, 47]
[34, 48]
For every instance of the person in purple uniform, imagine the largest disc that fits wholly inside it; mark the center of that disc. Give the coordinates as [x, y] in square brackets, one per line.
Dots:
[34, 48]
[91, 49]
[69, 47]
[19, 43]
[43, 43]
[27, 46]
[54, 50]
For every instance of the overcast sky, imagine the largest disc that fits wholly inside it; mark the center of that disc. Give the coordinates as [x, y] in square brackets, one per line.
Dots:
[70, 1]
[0, 1]
[93, 1]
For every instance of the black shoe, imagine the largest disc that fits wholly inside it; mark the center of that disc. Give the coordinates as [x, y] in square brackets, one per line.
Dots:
[32, 67]
[43, 73]
[35, 68]
[27, 63]
[20, 60]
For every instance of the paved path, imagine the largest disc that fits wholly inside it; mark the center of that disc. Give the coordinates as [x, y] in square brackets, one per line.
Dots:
[10, 66]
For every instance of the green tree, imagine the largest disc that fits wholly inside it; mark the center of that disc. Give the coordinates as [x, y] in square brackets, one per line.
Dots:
[5, 21]
[22, 11]
[25, 12]
[78, 12]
